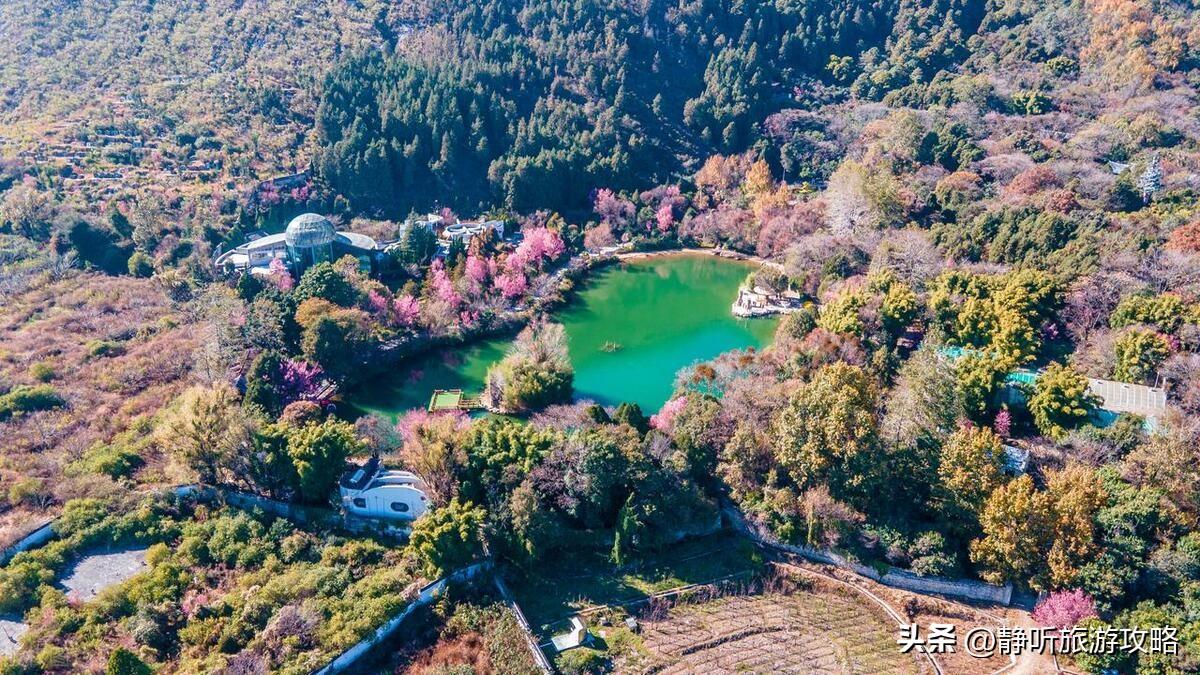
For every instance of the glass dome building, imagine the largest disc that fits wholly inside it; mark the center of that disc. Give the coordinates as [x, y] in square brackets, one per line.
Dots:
[309, 239]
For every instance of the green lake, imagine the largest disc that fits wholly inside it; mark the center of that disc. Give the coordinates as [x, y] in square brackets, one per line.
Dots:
[664, 313]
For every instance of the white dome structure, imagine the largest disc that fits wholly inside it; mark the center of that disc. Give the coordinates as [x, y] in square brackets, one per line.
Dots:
[309, 230]
[309, 239]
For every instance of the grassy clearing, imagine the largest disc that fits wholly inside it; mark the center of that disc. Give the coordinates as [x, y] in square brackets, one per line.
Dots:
[579, 579]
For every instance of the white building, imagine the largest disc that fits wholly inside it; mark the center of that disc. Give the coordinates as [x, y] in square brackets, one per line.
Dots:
[465, 231]
[371, 491]
[309, 239]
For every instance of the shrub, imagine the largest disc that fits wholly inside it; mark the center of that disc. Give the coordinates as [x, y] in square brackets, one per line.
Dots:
[43, 371]
[51, 657]
[1030, 103]
[318, 453]
[27, 490]
[448, 538]
[115, 460]
[323, 281]
[536, 372]
[1166, 311]
[1060, 401]
[124, 662]
[25, 399]
[98, 349]
[582, 661]
[141, 265]
[1139, 354]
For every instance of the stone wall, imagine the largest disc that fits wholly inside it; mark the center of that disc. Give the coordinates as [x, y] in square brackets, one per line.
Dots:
[961, 589]
[32, 540]
[427, 595]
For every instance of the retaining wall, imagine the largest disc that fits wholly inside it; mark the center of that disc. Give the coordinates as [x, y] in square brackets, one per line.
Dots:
[427, 595]
[530, 642]
[963, 589]
[32, 540]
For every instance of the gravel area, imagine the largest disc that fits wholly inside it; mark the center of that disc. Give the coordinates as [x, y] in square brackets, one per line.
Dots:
[11, 631]
[98, 571]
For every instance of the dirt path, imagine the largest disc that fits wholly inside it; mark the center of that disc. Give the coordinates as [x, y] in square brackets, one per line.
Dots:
[1032, 663]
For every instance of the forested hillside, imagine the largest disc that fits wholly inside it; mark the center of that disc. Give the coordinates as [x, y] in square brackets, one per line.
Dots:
[243, 72]
[534, 104]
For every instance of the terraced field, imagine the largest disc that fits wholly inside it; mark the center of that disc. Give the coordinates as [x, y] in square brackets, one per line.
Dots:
[822, 630]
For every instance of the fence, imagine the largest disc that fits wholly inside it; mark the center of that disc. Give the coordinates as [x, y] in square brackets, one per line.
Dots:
[427, 595]
[964, 589]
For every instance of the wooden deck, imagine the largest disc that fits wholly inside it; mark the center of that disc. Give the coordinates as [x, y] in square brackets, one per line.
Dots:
[444, 400]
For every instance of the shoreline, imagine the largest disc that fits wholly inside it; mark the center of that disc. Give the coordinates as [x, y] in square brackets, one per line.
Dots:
[725, 253]
[580, 270]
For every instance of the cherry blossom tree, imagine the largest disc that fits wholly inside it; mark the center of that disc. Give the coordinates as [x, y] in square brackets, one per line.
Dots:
[540, 245]
[406, 310]
[613, 210]
[300, 379]
[512, 284]
[665, 217]
[280, 276]
[664, 419]
[476, 270]
[443, 287]
[1003, 424]
[379, 305]
[1064, 609]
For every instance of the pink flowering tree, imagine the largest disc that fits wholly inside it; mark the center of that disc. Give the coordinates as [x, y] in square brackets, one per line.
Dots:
[300, 379]
[670, 201]
[406, 310]
[540, 245]
[613, 210]
[269, 195]
[1064, 609]
[379, 305]
[1003, 424]
[598, 237]
[665, 217]
[664, 419]
[512, 284]
[279, 275]
[443, 287]
[416, 421]
[477, 271]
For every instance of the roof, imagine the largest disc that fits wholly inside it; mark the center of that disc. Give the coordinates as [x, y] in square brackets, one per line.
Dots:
[1016, 460]
[576, 637]
[356, 240]
[357, 477]
[310, 229]
[395, 478]
[1129, 398]
[269, 241]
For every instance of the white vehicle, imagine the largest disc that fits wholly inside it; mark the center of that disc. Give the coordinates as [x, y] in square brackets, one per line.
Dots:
[370, 491]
